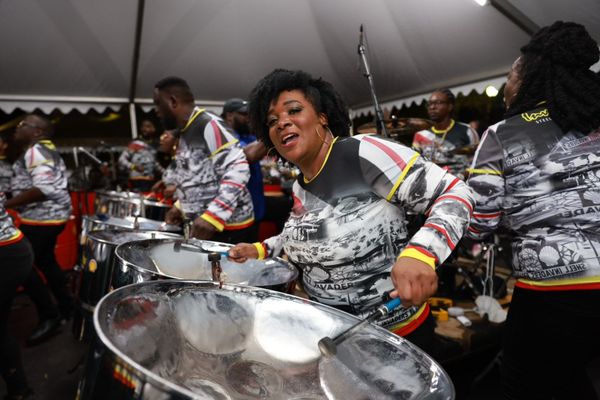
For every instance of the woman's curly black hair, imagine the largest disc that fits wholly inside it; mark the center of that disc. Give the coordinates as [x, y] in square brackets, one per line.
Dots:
[321, 94]
[555, 67]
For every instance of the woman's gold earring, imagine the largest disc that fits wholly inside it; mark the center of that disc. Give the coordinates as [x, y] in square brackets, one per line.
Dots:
[269, 152]
[319, 135]
[329, 130]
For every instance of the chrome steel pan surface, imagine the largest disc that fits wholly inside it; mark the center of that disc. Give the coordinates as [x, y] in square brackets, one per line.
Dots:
[192, 340]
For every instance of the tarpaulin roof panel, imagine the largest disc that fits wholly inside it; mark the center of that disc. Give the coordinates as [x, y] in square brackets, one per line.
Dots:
[81, 52]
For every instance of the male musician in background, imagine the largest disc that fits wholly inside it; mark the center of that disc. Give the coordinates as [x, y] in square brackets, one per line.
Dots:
[41, 197]
[139, 159]
[210, 170]
[235, 115]
[447, 136]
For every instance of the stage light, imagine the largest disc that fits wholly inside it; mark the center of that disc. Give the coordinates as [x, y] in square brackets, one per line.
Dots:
[481, 2]
[491, 91]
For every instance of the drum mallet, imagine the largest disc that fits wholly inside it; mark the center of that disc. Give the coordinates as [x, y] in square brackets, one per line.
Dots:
[216, 270]
[328, 346]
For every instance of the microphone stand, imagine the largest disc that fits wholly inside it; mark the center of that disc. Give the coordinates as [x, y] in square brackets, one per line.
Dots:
[379, 122]
[90, 155]
[86, 184]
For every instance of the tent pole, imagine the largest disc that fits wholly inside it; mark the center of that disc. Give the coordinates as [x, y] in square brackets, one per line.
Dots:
[136, 50]
[134, 67]
[133, 120]
[516, 16]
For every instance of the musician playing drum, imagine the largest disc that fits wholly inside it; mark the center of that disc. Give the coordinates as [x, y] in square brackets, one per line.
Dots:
[447, 136]
[347, 229]
[209, 171]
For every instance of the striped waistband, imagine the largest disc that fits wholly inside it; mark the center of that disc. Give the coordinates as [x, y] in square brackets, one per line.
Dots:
[587, 283]
[50, 222]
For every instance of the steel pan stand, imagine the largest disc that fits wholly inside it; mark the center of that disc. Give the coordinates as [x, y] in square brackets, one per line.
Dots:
[379, 121]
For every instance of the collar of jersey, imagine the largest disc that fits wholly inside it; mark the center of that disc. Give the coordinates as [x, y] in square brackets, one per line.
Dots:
[48, 143]
[440, 131]
[322, 165]
[197, 111]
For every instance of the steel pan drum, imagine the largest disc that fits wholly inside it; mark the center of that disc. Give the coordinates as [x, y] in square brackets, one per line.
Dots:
[188, 259]
[102, 221]
[129, 204]
[155, 210]
[192, 340]
[118, 204]
[98, 262]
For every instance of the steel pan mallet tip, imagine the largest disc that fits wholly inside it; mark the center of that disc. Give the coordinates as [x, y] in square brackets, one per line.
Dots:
[327, 347]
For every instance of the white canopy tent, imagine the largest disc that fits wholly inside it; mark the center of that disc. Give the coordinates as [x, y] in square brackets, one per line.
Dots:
[89, 54]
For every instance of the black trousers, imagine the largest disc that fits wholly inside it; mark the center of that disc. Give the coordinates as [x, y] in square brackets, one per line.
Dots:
[551, 338]
[43, 242]
[17, 259]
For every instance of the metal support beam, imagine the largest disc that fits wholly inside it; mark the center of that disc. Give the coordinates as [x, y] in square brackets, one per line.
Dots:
[133, 120]
[516, 16]
[136, 49]
[134, 67]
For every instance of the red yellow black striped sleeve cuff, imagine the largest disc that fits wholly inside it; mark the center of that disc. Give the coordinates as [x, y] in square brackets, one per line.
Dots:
[213, 221]
[419, 254]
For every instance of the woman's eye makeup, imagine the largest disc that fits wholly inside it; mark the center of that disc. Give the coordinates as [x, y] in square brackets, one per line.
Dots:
[272, 121]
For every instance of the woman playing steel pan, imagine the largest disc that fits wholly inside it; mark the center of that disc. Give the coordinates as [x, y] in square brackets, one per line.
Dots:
[538, 174]
[347, 229]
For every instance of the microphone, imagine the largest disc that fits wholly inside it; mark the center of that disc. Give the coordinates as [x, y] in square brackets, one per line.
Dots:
[361, 39]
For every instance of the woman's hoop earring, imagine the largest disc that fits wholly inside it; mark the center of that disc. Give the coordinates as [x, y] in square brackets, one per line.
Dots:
[329, 130]
[319, 135]
[269, 152]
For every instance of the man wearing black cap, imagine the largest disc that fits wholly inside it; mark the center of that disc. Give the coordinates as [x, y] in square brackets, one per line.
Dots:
[235, 115]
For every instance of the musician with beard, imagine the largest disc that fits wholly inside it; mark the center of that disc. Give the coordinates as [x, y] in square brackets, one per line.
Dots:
[209, 169]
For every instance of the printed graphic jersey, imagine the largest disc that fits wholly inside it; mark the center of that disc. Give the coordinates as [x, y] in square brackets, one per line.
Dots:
[348, 224]
[8, 232]
[544, 187]
[140, 154]
[6, 173]
[457, 135]
[43, 168]
[439, 145]
[210, 171]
